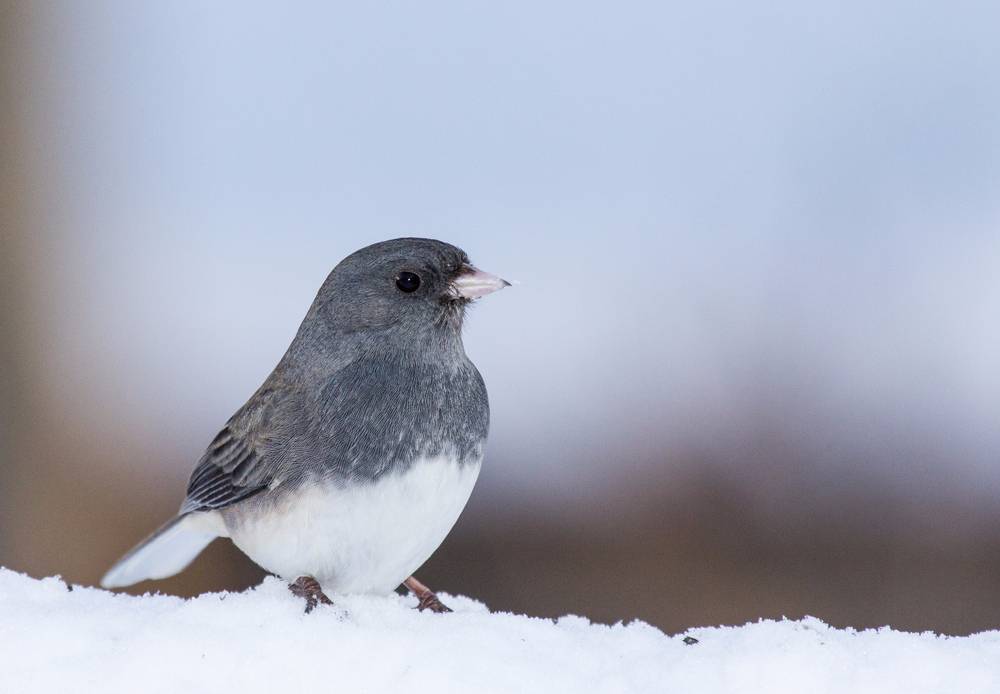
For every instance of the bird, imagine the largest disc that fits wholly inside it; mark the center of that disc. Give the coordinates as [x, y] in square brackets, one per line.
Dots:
[352, 462]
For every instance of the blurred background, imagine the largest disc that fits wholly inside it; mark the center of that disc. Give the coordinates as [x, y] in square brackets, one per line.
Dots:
[752, 367]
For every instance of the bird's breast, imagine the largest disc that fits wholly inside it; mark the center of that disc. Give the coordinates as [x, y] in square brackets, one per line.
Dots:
[356, 537]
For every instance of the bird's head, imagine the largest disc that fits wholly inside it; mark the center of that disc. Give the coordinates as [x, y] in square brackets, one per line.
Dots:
[406, 289]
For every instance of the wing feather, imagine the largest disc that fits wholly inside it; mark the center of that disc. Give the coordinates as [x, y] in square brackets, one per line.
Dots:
[215, 482]
[246, 457]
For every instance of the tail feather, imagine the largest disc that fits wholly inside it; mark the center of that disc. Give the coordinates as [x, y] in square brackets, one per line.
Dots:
[164, 553]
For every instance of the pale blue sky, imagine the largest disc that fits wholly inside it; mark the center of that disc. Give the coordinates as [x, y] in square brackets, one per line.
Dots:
[717, 212]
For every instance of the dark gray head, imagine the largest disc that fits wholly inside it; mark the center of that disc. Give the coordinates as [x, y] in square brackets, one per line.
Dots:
[402, 292]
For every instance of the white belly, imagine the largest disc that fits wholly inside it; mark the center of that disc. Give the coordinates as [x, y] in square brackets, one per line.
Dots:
[364, 538]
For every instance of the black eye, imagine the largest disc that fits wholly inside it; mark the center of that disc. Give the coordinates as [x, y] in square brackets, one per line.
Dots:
[407, 282]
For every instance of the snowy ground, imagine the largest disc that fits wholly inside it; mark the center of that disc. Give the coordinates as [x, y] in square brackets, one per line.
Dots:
[53, 639]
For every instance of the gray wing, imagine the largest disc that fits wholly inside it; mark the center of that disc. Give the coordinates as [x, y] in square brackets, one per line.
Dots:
[225, 474]
[243, 460]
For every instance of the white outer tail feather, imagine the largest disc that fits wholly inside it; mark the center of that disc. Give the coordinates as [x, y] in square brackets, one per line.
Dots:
[167, 551]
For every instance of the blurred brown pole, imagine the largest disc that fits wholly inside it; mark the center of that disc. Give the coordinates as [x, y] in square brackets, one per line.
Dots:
[15, 205]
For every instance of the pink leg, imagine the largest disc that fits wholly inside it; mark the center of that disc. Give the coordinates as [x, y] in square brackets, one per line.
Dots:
[428, 600]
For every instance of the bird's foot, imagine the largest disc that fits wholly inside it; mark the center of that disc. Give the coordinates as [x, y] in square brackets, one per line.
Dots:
[309, 589]
[431, 602]
[426, 598]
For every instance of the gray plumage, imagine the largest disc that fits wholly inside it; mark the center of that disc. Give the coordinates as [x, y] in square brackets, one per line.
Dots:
[375, 379]
[372, 380]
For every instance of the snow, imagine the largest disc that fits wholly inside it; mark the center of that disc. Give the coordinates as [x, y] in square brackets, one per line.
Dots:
[53, 639]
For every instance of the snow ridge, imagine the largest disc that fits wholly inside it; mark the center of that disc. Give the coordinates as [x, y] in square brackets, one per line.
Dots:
[53, 639]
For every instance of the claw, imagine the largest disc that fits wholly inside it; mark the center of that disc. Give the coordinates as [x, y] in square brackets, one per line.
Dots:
[432, 603]
[309, 589]
[426, 598]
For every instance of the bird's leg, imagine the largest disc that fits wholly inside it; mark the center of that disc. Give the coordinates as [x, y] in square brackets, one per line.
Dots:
[428, 600]
[309, 588]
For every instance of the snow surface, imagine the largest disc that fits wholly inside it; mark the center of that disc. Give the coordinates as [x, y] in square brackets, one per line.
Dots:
[53, 639]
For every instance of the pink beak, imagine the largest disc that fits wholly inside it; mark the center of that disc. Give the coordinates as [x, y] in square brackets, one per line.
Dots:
[474, 283]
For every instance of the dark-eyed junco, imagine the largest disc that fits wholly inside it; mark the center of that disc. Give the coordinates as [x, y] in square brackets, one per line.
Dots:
[352, 462]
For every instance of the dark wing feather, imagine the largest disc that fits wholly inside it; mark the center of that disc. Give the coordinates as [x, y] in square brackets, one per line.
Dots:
[254, 452]
[227, 473]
